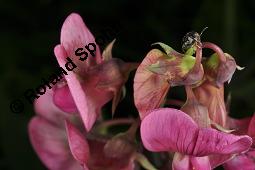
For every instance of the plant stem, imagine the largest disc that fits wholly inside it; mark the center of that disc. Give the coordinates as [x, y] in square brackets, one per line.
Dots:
[189, 92]
[115, 122]
[132, 130]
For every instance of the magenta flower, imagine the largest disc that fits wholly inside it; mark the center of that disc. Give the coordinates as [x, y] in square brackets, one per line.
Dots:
[48, 137]
[95, 81]
[91, 153]
[246, 160]
[61, 148]
[190, 131]
[172, 130]
[158, 71]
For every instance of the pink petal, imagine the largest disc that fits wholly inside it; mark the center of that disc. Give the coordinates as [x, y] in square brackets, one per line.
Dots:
[96, 98]
[239, 125]
[45, 107]
[181, 162]
[169, 129]
[211, 141]
[74, 35]
[218, 159]
[200, 163]
[85, 167]
[149, 89]
[213, 98]
[241, 162]
[77, 92]
[251, 129]
[51, 145]
[78, 144]
[172, 130]
[185, 162]
[64, 100]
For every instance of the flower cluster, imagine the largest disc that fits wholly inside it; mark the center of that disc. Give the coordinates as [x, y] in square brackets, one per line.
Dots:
[69, 133]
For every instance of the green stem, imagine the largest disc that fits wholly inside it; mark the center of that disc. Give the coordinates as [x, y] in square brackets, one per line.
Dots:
[144, 162]
[132, 130]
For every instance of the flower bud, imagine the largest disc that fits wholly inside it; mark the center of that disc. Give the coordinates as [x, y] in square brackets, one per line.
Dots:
[119, 146]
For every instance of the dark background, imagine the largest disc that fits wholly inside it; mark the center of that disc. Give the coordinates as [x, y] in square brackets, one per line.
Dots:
[30, 29]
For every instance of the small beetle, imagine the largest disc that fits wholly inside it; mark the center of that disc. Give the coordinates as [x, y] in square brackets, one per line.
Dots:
[190, 39]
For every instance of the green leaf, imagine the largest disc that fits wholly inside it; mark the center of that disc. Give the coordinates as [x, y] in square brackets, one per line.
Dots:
[166, 48]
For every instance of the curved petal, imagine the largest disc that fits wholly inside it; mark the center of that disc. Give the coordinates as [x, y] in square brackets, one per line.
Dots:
[169, 129]
[241, 162]
[220, 66]
[77, 92]
[64, 100]
[50, 143]
[181, 162]
[96, 98]
[218, 159]
[185, 162]
[77, 143]
[74, 35]
[239, 125]
[226, 70]
[150, 89]
[200, 163]
[197, 111]
[157, 72]
[45, 107]
[213, 98]
[172, 130]
[251, 129]
[211, 141]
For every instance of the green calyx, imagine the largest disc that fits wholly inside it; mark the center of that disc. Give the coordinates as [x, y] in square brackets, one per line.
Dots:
[187, 63]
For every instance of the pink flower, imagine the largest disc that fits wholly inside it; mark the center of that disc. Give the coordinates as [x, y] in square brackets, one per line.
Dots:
[48, 137]
[61, 148]
[243, 161]
[91, 153]
[95, 81]
[211, 92]
[158, 71]
[172, 130]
